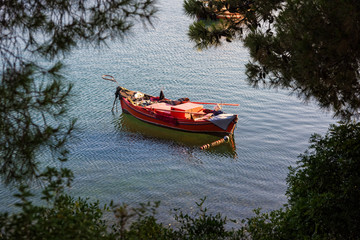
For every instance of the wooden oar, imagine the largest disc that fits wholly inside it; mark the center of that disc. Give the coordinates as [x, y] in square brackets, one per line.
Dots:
[109, 78]
[226, 104]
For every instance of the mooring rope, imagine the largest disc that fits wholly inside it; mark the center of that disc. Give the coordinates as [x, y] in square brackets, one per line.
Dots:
[117, 95]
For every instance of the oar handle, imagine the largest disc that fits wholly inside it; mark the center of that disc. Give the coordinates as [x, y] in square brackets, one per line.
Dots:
[226, 104]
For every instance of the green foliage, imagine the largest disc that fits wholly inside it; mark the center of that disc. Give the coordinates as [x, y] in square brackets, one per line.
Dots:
[138, 223]
[323, 191]
[141, 223]
[198, 9]
[267, 226]
[208, 30]
[69, 218]
[202, 225]
[324, 188]
[209, 33]
[310, 47]
[28, 118]
[62, 218]
[209, 9]
[34, 37]
[66, 218]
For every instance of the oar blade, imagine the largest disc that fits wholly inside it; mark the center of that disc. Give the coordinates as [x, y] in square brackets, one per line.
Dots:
[109, 78]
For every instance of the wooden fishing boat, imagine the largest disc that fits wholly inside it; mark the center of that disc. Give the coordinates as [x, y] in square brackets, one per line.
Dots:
[181, 114]
[224, 13]
[228, 15]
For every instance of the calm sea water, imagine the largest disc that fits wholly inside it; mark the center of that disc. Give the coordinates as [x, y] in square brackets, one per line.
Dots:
[117, 157]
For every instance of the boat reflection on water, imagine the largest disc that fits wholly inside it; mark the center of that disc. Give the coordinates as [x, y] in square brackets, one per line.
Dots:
[128, 123]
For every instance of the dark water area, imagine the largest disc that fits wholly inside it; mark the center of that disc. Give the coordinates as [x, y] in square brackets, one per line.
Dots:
[117, 157]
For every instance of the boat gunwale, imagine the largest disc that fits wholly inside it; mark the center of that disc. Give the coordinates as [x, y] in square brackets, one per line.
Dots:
[189, 122]
[148, 112]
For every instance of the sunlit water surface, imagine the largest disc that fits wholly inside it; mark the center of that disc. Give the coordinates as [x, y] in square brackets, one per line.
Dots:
[116, 157]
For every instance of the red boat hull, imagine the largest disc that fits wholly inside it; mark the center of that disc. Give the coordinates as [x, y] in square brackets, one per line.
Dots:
[188, 125]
